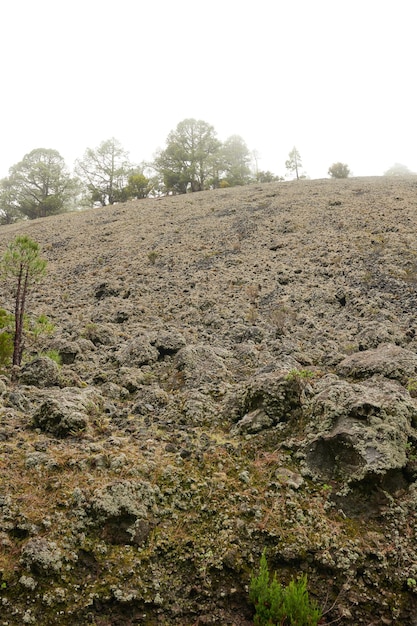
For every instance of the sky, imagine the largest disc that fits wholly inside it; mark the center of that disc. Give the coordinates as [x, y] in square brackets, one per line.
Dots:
[335, 79]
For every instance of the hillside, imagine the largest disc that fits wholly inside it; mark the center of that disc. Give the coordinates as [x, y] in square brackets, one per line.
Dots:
[239, 372]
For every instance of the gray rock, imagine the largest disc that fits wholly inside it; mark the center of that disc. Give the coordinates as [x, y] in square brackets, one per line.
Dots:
[42, 372]
[362, 429]
[288, 478]
[272, 396]
[137, 352]
[69, 351]
[201, 365]
[59, 419]
[169, 342]
[373, 334]
[40, 555]
[253, 422]
[388, 360]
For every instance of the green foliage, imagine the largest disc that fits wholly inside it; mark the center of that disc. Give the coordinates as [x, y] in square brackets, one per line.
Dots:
[22, 263]
[6, 338]
[104, 172]
[233, 162]
[138, 186]
[276, 605]
[398, 169]
[293, 163]
[152, 256]
[189, 157]
[412, 387]
[54, 355]
[37, 186]
[267, 177]
[339, 170]
[299, 375]
[6, 348]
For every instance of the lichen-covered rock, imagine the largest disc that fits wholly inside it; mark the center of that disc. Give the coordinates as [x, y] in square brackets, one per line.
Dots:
[150, 399]
[137, 352]
[57, 419]
[42, 372]
[106, 290]
[265, 401]
[373, 334]
[169, 342]
[253, 422]
[69, 351]
[201, 365]
[362, 429]
[387, 360]
[42, 556]
[123, 498]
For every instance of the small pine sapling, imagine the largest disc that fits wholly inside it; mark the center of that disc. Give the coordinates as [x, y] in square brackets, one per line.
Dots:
[22, 262]
[276, 605]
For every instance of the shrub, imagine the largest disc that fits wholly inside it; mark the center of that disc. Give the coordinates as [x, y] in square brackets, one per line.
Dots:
[6, 338]
[22, 264]
[339, 170]
[276, 605]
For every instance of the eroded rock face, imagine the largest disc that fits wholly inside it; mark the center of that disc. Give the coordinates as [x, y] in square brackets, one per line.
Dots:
[362, 429]
[387, 360]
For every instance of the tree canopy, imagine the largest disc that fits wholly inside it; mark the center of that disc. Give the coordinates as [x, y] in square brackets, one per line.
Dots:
[193, 159]
[104, 172]
[22, 263]
[398, 169]
[234, 161]
[293, 163]
[339, 170]
[188, 161]
[38, 186]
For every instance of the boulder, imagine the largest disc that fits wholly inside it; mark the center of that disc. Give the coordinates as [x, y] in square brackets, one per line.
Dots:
[388, 360]
[201, 365]
[137, 352]
[42, 372]
[66, 413]
[169, 342]
[58, 419]
[360, 429]
[265, 401]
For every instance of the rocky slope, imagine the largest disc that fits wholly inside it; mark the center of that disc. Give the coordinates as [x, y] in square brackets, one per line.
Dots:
[239, 372]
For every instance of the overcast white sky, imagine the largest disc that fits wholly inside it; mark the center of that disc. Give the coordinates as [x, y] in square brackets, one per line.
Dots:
[336, 79]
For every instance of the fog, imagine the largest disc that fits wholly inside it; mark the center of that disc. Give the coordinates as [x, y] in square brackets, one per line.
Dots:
[335, 80]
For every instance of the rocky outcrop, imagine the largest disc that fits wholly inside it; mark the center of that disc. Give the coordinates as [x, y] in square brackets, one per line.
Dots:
[42, 372]
[359, 429]
[386, 360]
[239, 373]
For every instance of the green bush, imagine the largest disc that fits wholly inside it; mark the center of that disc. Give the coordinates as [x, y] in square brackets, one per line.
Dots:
[339, 170]
[6, 348]
[6, 338]
[276, 605]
